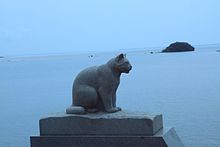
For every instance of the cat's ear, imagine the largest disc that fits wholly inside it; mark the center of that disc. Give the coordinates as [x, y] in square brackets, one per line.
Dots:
[120, 57]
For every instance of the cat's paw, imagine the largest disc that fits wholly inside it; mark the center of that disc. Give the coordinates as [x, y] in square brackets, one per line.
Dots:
[115, 109]
[94, 110]
[118, 108]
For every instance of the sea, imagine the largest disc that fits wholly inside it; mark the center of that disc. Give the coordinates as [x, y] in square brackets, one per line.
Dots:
[184, 87]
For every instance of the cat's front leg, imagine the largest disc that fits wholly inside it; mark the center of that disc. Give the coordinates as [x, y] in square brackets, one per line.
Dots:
[114, 103]
[114, 100]
[107, 101]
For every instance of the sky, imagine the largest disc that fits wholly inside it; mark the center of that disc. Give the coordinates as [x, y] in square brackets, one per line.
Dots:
[67, 26]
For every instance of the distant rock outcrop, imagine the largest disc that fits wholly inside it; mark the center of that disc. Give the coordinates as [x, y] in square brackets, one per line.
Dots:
[179, 47]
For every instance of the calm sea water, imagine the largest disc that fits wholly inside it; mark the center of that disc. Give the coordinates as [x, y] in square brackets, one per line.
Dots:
[184, 87]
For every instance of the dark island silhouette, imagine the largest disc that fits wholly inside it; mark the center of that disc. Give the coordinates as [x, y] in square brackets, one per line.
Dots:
[178, 47]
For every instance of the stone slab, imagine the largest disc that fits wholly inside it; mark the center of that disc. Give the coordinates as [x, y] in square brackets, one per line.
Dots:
[119, 123]
[164, 138]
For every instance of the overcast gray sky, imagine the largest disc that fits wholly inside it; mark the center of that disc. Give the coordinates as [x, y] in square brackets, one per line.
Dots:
[53, 26]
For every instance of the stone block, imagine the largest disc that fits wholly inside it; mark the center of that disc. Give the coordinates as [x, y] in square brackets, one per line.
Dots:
[120, 123]
[121, 129]
[163, 138]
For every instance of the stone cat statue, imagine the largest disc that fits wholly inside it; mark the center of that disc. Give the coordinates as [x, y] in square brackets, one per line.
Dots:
[94, 88]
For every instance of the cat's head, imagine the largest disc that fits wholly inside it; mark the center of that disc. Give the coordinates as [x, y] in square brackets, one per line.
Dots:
[122, 64]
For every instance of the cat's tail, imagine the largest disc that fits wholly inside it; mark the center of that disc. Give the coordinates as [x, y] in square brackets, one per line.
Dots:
[75, 110]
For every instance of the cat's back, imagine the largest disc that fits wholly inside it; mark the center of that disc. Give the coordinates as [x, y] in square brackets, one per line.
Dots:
[87, 76]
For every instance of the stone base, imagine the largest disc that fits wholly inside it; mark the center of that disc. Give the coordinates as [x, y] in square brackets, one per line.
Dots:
[120, 129]
[119, 123]
[164, 138]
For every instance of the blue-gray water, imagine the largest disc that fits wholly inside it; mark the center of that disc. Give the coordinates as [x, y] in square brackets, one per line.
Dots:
[182, 86]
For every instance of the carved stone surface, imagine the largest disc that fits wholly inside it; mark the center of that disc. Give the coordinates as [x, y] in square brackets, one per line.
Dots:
[164, 138]
[120, 123]
[120, 129]
[94, 88]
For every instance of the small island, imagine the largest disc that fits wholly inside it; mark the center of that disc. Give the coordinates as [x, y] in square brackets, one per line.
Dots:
[179, 47]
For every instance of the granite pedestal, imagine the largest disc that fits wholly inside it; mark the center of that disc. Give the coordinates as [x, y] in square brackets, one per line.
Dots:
[121, 129]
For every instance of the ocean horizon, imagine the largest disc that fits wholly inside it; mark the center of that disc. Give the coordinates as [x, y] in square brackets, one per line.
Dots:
[184, 87]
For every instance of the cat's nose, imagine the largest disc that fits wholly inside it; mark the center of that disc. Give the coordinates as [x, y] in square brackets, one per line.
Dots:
[130, 67]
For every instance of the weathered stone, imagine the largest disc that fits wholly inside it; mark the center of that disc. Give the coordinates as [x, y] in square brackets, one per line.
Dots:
[94, 88]
[164, 138]
[119, 123]
[75, 110]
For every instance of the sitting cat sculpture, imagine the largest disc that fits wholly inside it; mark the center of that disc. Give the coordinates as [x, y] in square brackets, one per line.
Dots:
[94, 88]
